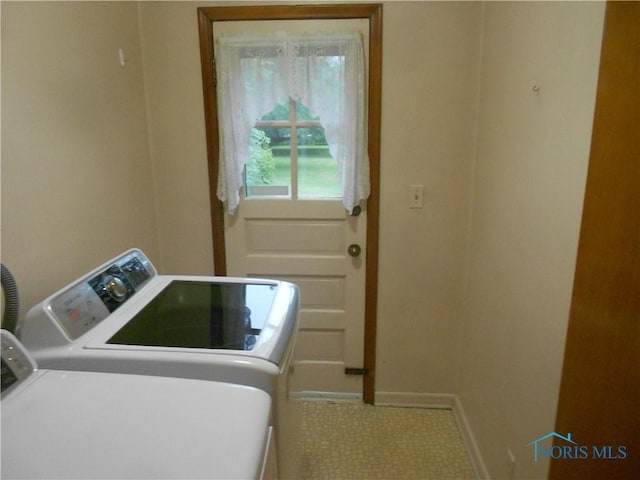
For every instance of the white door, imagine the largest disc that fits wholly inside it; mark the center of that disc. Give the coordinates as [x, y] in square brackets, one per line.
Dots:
[295, 228]
[306, 242]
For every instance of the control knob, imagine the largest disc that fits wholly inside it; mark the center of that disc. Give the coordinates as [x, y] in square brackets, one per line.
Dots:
[115, 288]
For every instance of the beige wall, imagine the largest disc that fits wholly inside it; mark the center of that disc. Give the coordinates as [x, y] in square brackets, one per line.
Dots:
[76, 174]
[173, 85]
[530, 171]
[479, 311]
[431, 55]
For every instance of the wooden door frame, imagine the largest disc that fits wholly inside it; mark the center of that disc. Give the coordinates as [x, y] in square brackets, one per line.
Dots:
[372, 12]
[598, 401]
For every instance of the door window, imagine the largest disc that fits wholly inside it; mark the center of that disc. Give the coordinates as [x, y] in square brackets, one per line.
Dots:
[290, 157]
[285, 103]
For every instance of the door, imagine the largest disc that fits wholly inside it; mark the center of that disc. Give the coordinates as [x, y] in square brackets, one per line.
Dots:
[600, 385]
[306, 242]
[294, 227]
[283, 231]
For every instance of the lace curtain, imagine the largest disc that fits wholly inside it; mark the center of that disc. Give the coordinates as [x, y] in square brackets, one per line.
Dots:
[325, 73]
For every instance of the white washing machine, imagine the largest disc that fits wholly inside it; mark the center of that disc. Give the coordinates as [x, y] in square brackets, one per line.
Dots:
[89, 425]
[125, 318]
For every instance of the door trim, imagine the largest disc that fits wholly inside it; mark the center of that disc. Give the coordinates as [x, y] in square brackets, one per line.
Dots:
[601, 372]
[373, 12]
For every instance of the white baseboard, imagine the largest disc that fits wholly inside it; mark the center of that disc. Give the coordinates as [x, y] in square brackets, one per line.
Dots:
[469, 441]
[311, 395]
[420, 400]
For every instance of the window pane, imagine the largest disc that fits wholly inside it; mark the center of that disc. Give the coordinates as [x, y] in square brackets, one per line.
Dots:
[280, 113]
[303, 114]
[317, 170]
[268, 171]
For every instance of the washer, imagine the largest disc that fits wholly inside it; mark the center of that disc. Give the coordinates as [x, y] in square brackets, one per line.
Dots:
[71, 424]
[125, 318]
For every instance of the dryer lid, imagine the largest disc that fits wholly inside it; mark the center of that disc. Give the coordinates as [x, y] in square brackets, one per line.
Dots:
[200, 314]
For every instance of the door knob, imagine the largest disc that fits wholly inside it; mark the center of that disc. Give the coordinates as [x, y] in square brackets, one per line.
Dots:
[354, 250]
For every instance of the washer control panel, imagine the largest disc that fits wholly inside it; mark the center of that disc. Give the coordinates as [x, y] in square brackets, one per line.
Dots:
[17, 365]
[87, 302]
[119, 281]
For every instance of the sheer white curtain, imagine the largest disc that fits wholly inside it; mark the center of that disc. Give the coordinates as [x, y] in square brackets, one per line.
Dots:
[325, 73]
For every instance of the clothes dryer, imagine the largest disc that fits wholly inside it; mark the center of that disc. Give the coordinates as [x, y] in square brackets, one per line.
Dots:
[123, 317]
[89, 425]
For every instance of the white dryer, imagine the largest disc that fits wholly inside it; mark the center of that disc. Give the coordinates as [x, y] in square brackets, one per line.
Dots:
[89, 425]
[125, 318]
